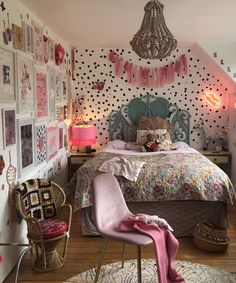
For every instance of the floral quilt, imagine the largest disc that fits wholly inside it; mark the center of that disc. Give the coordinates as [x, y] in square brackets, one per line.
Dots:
[164, 176]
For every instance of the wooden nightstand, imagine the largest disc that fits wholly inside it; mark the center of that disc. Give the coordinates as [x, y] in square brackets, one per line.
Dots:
[75, 160]
[221, 159]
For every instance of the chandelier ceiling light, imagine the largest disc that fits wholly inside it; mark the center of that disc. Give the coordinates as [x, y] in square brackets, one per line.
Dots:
[153, 40]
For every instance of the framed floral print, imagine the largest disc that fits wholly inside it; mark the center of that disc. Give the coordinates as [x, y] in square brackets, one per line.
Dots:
[28, 36]
[41, 93]
[41, 143]
[7, 75]
[38, 43]
[25, 84]
[52, 141]
[9, 127]
[25, 146]
[51, 93]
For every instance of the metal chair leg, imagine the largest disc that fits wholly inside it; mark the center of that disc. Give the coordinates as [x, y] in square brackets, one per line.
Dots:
[19, 262]
[28, 247]
[100, 260]
[123, 255]
[139, 264]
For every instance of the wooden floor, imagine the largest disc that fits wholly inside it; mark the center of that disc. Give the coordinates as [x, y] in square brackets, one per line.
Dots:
[83, 254]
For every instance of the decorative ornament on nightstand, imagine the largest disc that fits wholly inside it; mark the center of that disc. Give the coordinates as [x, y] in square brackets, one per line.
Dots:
[215, 139]
[83, 137]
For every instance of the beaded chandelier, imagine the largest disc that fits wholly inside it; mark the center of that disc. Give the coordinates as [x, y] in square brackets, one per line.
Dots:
[153, 40]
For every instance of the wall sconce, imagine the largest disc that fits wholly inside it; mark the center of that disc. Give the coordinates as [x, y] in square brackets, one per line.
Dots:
[212, 99]
[153, 40]
[83, 137]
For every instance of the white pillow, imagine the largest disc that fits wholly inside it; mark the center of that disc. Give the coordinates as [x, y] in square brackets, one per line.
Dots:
[181, 145]
[116, 144]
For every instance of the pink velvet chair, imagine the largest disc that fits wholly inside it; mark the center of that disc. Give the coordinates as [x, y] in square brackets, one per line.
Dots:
[109, 210]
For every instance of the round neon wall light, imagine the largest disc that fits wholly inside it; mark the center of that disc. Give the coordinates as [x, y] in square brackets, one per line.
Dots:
[212, 99]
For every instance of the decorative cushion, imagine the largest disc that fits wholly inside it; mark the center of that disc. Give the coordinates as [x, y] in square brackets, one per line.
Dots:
[152, 123]
[38, 198]
[52, 228]
[129, 132]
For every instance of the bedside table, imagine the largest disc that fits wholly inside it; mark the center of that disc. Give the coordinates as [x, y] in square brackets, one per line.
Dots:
[221, 159]
[77, 159]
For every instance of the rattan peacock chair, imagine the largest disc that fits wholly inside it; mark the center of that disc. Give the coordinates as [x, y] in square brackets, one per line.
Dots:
[41, 203]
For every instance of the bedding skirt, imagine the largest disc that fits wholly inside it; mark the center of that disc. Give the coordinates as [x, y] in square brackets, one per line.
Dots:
[181, 215]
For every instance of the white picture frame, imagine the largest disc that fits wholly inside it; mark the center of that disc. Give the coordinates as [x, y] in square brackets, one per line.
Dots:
[52, 141]
[40, 144]
[58, 86]
[7, 75]
[51, 93]
[41, 103]
[9, 126]
[38, 43]
[26, 144]
[64, 91]
[28, 37]
[25, 84]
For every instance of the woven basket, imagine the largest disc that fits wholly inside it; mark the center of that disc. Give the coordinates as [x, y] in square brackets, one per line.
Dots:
[211, 237]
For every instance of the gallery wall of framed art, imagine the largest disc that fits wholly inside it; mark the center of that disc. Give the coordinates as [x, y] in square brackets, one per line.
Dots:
[31, 141]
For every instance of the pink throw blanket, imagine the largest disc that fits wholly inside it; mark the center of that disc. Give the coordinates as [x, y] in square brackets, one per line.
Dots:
[166, 246]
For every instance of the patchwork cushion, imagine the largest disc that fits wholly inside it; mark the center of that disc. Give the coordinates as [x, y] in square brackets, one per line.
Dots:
[38, 198]
[52, 228]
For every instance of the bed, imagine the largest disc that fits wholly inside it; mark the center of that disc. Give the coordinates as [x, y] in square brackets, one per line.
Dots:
[179, 184]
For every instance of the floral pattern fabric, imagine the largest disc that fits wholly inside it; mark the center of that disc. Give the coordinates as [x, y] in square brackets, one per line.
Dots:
[164, 176]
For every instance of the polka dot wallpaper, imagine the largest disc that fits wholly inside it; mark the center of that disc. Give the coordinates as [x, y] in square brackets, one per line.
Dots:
[102, 91]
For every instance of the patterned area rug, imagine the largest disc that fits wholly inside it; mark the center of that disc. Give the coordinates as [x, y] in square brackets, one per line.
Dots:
[192, 273]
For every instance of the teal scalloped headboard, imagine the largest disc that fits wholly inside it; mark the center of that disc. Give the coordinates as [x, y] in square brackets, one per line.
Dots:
[149, 106]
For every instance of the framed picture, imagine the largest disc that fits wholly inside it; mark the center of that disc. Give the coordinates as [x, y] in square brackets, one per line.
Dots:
[61, 135]
[52, 141]
[41, 93]
[51, 49]
[25, 84]
[38, 43]
[51, 93]
[9, 127]
[28, 38]
[64, 93]
[45, 49]
[58, 83]
[41, 143]
[18, 37]
[7, 75]
[25, 146]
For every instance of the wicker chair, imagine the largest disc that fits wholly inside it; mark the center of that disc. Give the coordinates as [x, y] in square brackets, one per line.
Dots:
[41, 203]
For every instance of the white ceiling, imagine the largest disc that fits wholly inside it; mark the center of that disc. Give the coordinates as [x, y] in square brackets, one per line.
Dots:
[112, 23]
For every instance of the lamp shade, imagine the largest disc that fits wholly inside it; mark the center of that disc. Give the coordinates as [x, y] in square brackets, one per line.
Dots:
[83, 135]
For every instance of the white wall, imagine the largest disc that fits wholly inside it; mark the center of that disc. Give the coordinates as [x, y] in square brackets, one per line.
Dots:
[15, 230]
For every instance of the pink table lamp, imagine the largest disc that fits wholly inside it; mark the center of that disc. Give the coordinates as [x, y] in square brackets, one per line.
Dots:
[83, 136]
